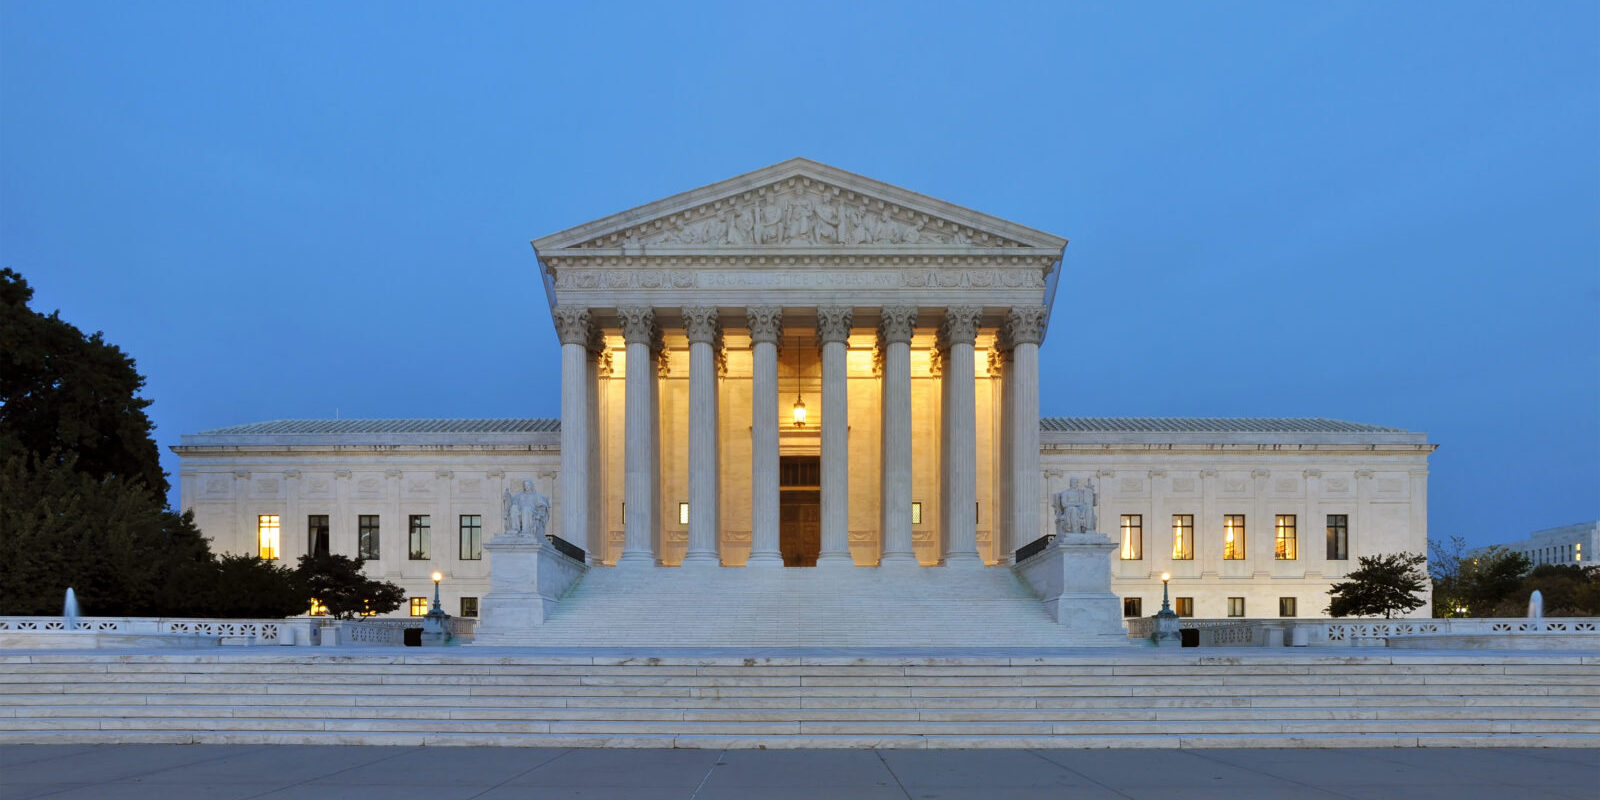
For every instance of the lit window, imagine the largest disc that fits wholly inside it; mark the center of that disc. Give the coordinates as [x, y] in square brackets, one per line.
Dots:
[469, 606]
[916, 513]
[1338, 537]
[417, 543]
[683, 513]
[267, 535]
[317, 608]
[1286, 606]
[1184, 606]
[1182, 537]
[471, 537]
[367, 537]
[1132, 606]
[1233, 537]
[419, 606]
[317, 534]
[1132, 537]
[1284, 546]
[1236, 606]
[1577, 552]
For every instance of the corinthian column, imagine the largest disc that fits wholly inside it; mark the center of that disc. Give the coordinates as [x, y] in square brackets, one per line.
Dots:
[833, 332]
[572, 325]
[959, 418]
[702, 326]
[894, 345]
[639, 476]
[1024, 328]
[766, 326]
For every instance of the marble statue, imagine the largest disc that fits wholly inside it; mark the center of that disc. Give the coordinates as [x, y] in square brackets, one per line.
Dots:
[1074, 507]
[526, 512]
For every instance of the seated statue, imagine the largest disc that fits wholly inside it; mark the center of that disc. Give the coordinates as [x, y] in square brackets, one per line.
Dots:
[526, 512]
[1074, 508]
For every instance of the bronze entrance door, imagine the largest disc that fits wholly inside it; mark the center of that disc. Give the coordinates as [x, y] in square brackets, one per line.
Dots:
[799, 510]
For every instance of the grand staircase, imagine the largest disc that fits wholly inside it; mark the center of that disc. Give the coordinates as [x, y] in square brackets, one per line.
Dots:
[574, 698]
[816, 607]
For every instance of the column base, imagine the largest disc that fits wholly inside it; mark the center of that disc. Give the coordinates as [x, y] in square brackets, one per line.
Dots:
[635, 561]
[963, 561]
[835, 560]
[701, 560]
[764, 560]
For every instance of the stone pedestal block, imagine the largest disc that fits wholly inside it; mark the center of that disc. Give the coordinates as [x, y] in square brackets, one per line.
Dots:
[1073, 578]
[528, 578]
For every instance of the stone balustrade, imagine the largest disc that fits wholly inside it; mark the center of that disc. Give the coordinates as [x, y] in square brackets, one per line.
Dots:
[1358, 632]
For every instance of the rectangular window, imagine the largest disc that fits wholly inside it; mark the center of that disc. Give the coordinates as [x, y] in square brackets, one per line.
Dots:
[417, 543]
[1184, 606]
[916, 513]
[267, 530]
[1338, 537]
[469, 606]
[1132, 606]
[1132, 537]
[683, 513]
[1284, 546]
[1286, 606]
[471, 537]
[1236, 606]
[419, 606]
[1183, 537]
[1233, 537]
[367, 537]
[317, 534]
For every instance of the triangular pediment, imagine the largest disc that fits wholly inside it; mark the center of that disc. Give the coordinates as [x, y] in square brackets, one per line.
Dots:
[797, 205]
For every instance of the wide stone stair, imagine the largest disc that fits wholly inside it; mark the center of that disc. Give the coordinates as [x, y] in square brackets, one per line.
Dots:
[573, 698]
[812, 607]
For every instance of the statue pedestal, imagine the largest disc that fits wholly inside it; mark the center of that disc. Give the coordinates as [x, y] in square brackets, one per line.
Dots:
[1073, 578]
[1166, 629]
[527, 577]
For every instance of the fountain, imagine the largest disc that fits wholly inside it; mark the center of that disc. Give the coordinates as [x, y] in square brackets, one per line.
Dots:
[69, 611]
[1536, 605]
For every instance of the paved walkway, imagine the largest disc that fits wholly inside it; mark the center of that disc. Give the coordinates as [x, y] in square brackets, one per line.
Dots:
[176, 772]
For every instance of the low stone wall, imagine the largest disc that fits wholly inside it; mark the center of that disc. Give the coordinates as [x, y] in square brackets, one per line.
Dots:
[98, 632]
[230, 631]
[1488, 633]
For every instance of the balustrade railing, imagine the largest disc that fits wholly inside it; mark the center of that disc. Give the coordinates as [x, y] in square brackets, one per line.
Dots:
[1337, 632]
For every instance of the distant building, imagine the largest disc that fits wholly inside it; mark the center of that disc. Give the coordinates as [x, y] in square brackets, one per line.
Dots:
[1575, 545]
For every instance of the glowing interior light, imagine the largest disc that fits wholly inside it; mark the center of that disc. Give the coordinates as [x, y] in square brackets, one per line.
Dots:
[437, 577]
[799, 413]
[1166, 576]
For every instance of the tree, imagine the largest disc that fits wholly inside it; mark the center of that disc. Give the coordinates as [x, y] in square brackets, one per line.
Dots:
[338, 584]
[66, 395]
[1489, 577]
[1568, 590]
[1444, 566]
[1384, 584]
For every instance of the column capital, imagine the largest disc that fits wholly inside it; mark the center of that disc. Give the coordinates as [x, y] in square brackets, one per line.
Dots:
[833, 323]
[638, 324]
[1024, 325]
[897, 323]
[765, 323]
[997, 362]
[960, 325]
[572, 324]
[701, 323]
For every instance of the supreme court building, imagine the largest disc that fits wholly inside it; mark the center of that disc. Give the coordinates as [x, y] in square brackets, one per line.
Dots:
[801, 367]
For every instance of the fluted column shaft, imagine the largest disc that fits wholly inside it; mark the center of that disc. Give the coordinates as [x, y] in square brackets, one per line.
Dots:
[700, 324]
[833, 333]
[639, 476]
[572, 325]
[1023, 332]
[960, 419]
[766, 326]
[894, 342]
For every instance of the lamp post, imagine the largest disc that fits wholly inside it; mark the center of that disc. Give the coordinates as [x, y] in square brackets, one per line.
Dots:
[1166, 622]
[435, 629]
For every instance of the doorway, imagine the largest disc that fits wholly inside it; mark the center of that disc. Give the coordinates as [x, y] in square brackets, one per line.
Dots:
[800, 510]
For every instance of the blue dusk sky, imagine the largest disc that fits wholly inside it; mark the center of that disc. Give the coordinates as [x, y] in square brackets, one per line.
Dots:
[1381, 212]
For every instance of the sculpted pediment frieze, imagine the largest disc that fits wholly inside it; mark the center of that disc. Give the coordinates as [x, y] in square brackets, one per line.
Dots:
[798, 205]
[800, 212]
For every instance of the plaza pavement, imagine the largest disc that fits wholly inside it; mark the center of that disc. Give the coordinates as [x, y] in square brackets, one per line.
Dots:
[234, 772]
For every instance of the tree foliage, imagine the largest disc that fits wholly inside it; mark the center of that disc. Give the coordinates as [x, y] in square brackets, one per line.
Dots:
[1489, 577]
[121, 552]
[338, 583]
[1383, 584]
[82, 494]
[65, 395]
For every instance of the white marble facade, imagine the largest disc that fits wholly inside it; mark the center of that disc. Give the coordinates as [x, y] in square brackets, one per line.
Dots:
[910, 331]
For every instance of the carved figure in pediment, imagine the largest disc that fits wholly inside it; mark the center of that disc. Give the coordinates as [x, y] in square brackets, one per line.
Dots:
[797, 222]
[769, 222]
